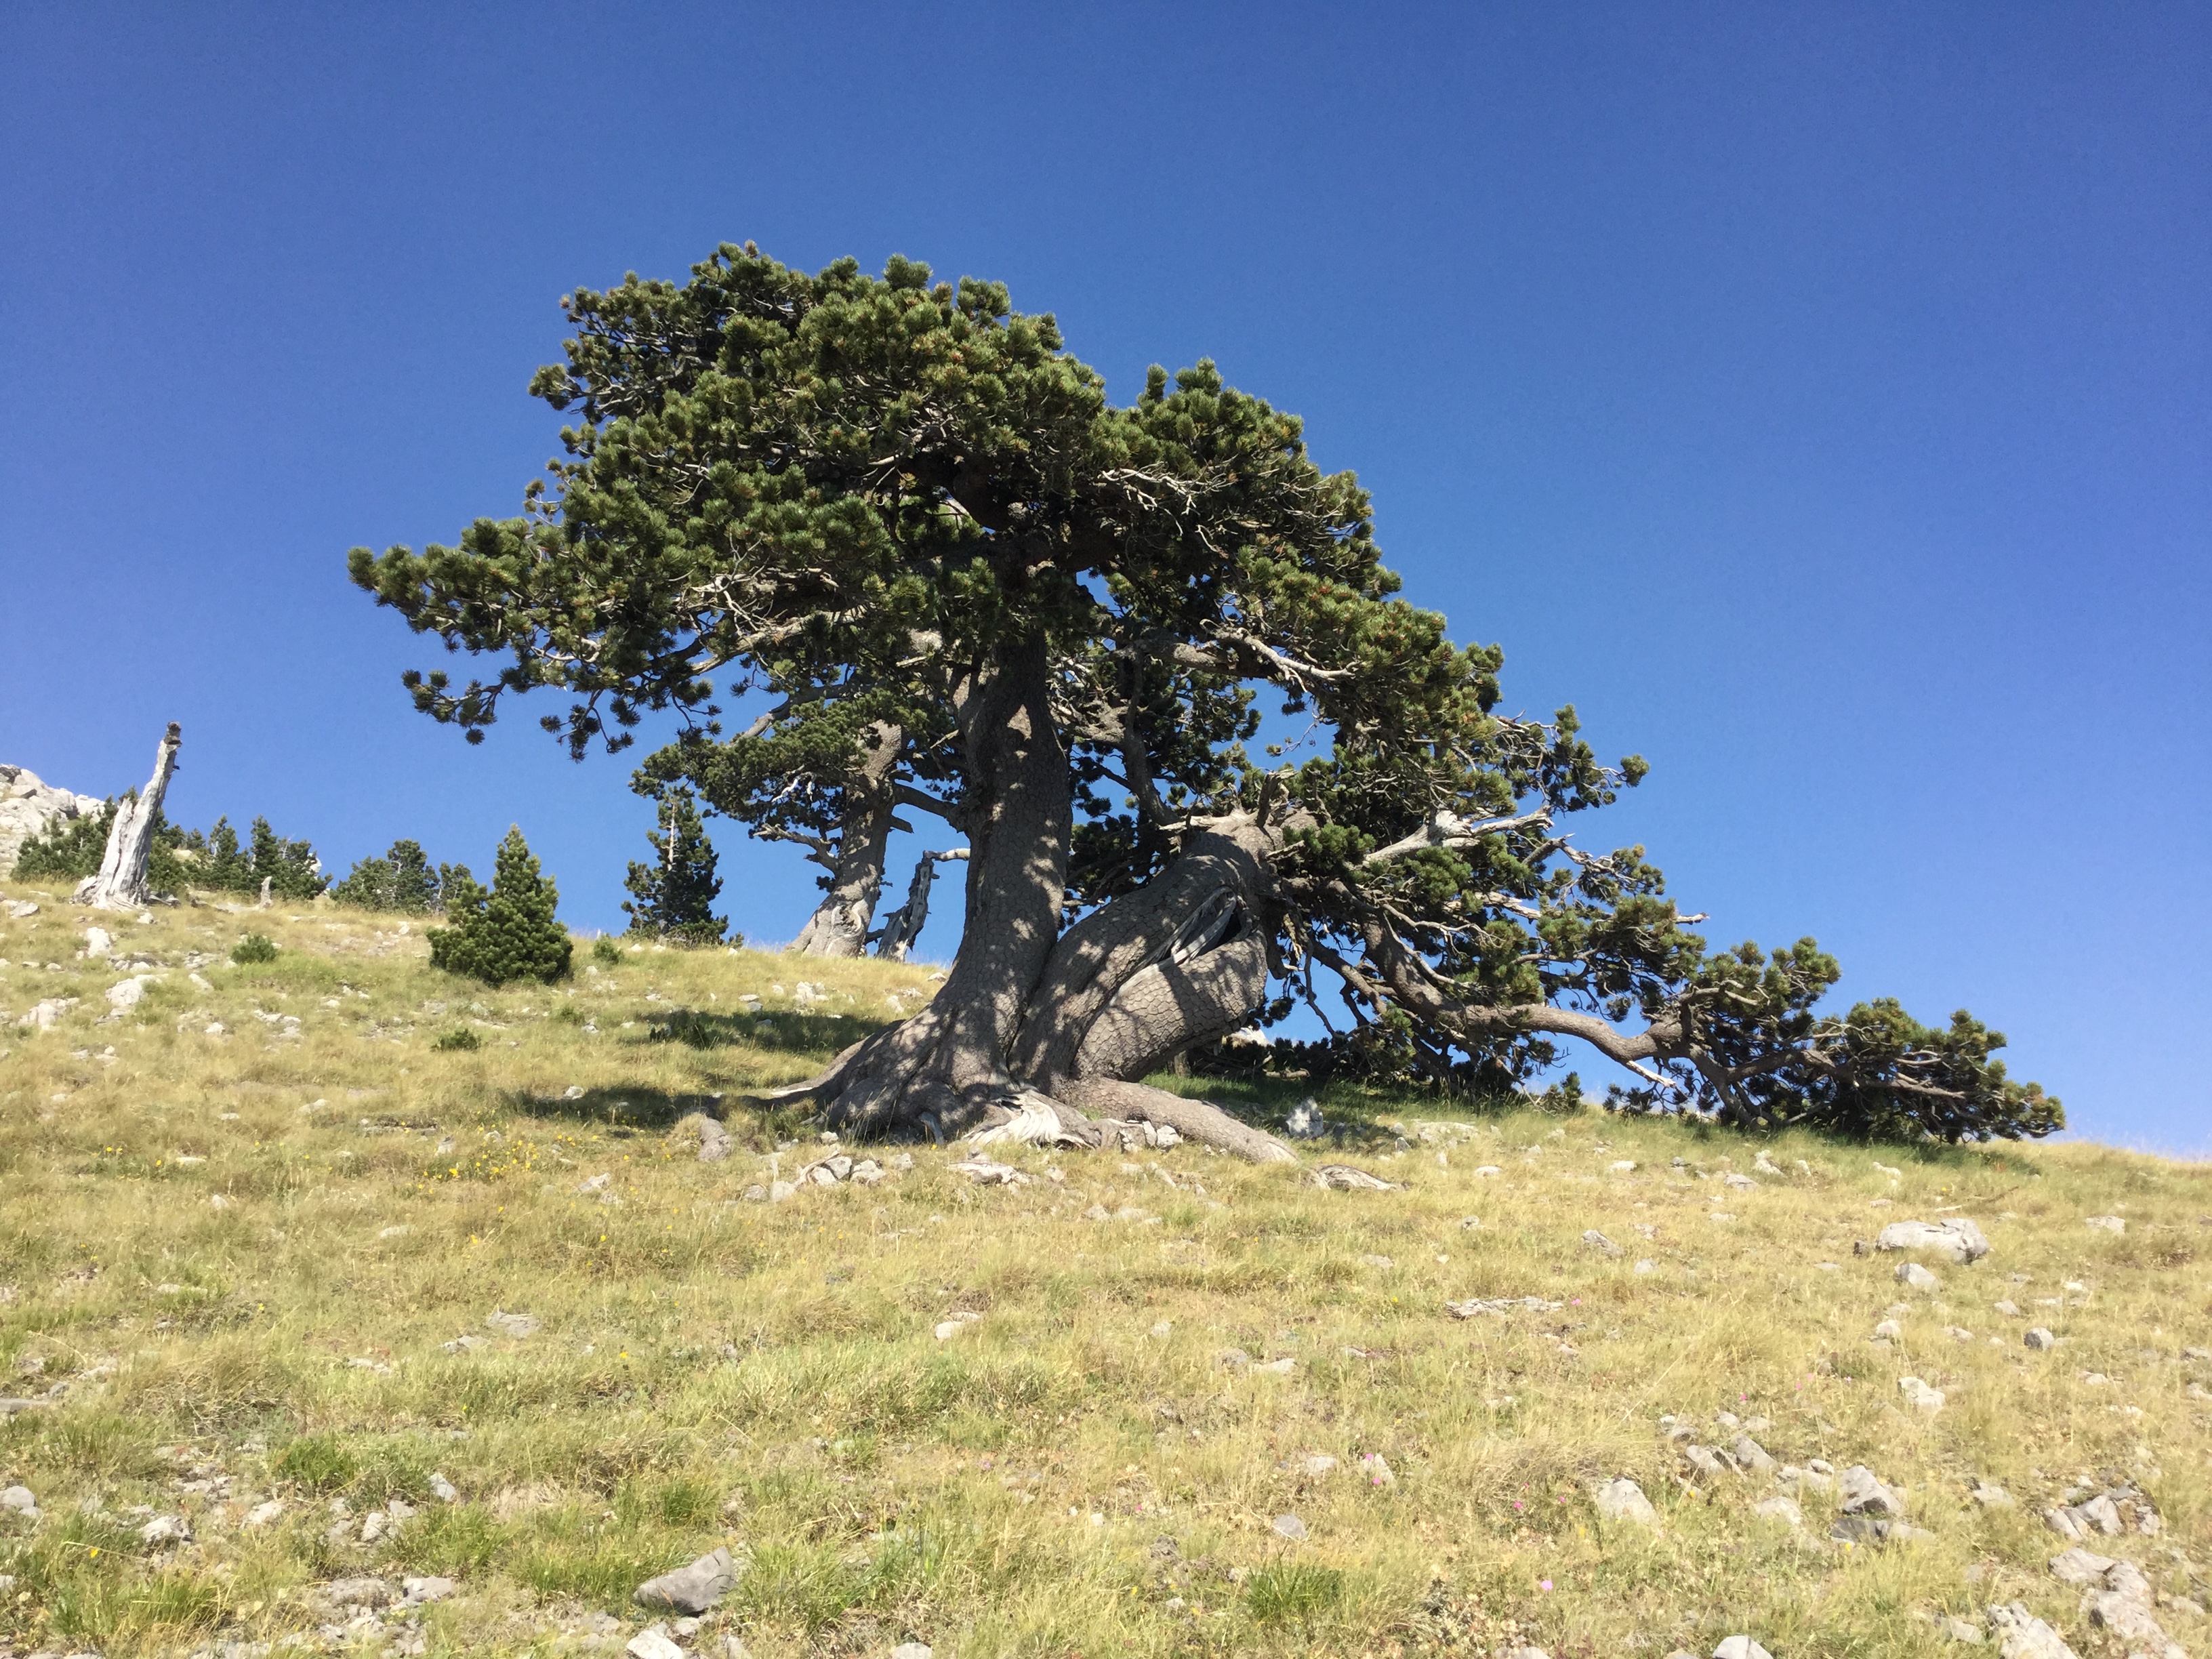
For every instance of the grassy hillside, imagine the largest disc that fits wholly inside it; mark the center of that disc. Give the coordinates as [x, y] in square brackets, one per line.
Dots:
[238, 1262]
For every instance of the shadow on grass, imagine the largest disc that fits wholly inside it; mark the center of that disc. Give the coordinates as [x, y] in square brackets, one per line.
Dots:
[779, 1032]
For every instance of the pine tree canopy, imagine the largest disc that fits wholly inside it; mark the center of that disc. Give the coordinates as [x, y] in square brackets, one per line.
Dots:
[903, 514]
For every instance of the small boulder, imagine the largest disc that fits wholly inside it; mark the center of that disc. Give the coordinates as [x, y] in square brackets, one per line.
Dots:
[1920, 1396]
[164, 1530]
[2021, 1635]
[1957, 1629]
[1739, 1647]
[1624, 1500]
[2107, 1223]
[1864, 1493]
[363, 1592]
[1958, 1241]
[1598, 1241]
[1779, 1508]
[1290, 1527]
[1750, 1456]
[19, 1500]
[1305, 1121]
[2039, 1338]
[654, 1642]
[911, 1650]
[690, 1589]
[1914, 1277]
[2081, 1568]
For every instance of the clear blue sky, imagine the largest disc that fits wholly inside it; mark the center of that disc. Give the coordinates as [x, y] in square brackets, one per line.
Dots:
[1817, 396]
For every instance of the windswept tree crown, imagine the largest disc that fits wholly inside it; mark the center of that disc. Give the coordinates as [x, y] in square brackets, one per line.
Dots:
[969, 585]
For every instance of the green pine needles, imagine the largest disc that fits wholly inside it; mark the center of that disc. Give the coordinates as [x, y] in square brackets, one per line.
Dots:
[403, 879]
[670, 898]
[508, 934]
[71, 849]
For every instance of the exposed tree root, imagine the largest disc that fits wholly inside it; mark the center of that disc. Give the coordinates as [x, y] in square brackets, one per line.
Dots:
[1193, 1119]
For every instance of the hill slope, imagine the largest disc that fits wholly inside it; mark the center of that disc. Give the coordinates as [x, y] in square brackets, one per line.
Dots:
[249, 1272]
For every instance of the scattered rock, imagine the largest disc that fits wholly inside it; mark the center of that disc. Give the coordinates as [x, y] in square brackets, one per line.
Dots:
[1704, 1460]
[1624, 1500]
[443, 1489]
[1474, 1307]
[1989, 1497]
[1958, 1241]
[21, 1502]
[1343, 1178]
[2041, 1338]
[1864, 1493]
[366, 1591]
[1317, 1464]
[1957, 1629]
[1377, 1470]
[984, 1172]
[165, 1529]
[713, 1141]
[2080, 1568]
[1919, 1395]
[129, 993]
[654, 1642]
[1598, 1241]
[1913, 1276]
[690, 1589]
[1741, 1183]
[1889, 1331]
[2107, 1223]
[1782, 1508]
[516, 1324]
[1290, 1527]
[1741, 1647]
[1750, 1456]
[910, 1651]
[1305, 1122]
[416, 1592]
[2021, 1635]
[1489, 1170]
[1622, 1166]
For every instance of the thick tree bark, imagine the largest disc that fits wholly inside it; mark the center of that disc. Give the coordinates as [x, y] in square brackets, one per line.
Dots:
[121, 883]
[840, 924]
[938, 1069]
[1146, 958]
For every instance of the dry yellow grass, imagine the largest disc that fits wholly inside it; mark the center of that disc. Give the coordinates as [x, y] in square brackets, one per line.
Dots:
[234, 1264]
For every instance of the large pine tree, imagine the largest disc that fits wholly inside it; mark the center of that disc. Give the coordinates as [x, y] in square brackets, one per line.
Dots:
[905, 490]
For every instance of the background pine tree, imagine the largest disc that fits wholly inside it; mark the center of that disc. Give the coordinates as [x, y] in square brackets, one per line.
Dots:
[508, 934]
[673, 894]
[403, 879]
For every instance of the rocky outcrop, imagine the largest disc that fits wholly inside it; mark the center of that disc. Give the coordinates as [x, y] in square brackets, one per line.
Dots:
[29, 807]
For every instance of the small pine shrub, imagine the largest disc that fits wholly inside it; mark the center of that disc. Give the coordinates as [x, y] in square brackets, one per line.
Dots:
[508, 934]
[255, 947]
[674, 894]
[606, 951]
[461, 1038]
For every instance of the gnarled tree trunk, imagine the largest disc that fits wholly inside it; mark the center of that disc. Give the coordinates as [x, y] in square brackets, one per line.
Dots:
[121, 883]
[939, 1069]
[840, 924]
[1183, 960]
